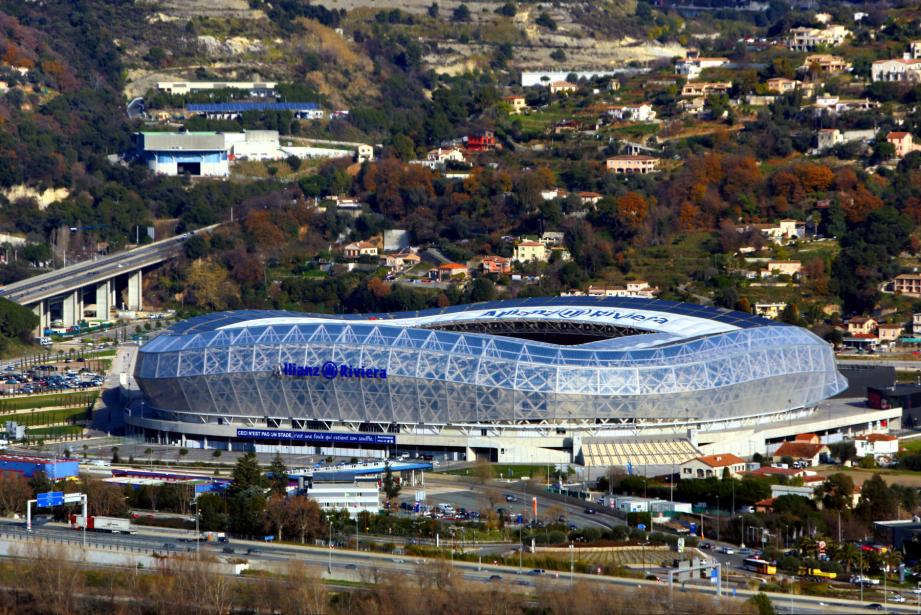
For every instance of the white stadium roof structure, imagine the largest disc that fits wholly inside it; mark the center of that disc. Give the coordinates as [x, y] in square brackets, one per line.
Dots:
[569, 362]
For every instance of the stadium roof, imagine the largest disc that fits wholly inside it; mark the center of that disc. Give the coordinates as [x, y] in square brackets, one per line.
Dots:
[240, 107]
[538, 308]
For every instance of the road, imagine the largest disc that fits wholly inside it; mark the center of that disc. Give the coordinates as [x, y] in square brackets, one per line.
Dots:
[68, 278]
[365, 566]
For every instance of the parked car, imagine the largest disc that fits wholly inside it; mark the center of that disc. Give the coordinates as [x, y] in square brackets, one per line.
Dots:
[727, 550]
[495, 577]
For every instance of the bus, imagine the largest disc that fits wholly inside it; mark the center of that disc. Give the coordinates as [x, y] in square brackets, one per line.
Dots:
[759, 565]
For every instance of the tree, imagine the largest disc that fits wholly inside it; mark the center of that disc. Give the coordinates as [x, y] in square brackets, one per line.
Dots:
[14, 492]
[390, 484]
[304, 517]
[461, 13]
[247, 473]
[278, 476]
[433, 10]
[276, 512]
[245, 507]
[837, 492]
[877, 501]
[212, 512]
[762, 604]
[545, 20]
[507, 10]
[39, 482]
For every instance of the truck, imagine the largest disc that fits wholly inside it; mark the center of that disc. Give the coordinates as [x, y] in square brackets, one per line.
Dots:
[213, 537]
[817, 573]
[114, 525]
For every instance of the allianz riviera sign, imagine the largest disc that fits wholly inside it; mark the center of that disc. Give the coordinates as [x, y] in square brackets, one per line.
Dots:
[330, 370]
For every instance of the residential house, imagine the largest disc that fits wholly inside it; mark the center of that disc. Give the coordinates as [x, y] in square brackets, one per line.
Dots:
[516, 103]
[449, 272]
[629, 165]
[481, 141]
[861, 341]
[563, 87]
[530, 251]
[916, 324]
[807, 39]
[889, 332]
[803, 451]
[781, 85]
[908, 284]
[915, 50]
[828, 138]
[496, 264]
[359, 249]
[877, 444]
[835, 105]
[637, 288]
[774, 268]
[642, 112]
[553, 238]
[693, 106]
[705, 88]
[437, 159]
[784, 231]
[567, 126]
[825, 63]
[861, 324]
[903, 142]
[898, 69]
[400, 260]
[708, 466]
[692, 67]
[589, 198]
[364, 153]
[770, 310]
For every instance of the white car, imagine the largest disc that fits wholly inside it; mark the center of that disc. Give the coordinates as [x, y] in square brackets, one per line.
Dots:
[897, 598]
[726, 550]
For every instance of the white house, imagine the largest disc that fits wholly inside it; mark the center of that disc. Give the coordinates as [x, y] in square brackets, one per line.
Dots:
[712, 466]
[877, 444]
[642, 112]
[692, 67]
[898, 69]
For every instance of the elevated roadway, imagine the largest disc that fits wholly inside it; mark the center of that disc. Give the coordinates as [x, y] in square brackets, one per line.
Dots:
[66, 293]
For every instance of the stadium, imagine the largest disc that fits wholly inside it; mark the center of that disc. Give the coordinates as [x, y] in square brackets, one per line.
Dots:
[593, 381]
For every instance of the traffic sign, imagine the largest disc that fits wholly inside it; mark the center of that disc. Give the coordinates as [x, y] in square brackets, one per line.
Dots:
[52, 498]
[641, 527]
[70, 498]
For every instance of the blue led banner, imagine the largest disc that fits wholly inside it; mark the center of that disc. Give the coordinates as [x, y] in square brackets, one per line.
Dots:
[325, 437]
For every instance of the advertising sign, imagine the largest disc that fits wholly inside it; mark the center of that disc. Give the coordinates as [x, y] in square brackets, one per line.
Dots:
[321, 437]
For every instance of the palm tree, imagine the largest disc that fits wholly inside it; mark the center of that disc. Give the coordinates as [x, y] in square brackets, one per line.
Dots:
[848, 555]
[891, 559]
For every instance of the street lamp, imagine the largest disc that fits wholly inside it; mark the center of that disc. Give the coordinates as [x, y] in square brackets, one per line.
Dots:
[572, 563]
[329, 564]
[718, 521]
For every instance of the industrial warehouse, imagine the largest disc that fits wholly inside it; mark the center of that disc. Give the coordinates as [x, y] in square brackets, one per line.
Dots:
[587, 380]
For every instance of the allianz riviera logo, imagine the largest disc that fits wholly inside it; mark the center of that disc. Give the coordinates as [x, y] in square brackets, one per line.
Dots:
[330, 370]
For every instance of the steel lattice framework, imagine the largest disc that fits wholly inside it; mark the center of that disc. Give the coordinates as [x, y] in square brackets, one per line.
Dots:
[230, 365]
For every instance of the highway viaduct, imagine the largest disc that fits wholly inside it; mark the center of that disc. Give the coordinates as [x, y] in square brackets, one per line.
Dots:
[98, 286]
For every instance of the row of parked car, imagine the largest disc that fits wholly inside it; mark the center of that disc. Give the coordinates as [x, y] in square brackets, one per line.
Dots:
[41, 381]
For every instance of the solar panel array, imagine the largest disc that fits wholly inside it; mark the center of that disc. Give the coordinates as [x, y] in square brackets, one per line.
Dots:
[241, 107]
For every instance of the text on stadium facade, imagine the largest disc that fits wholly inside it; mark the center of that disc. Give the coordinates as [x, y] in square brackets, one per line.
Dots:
[573, 313]
[330, 370]
[316, 436]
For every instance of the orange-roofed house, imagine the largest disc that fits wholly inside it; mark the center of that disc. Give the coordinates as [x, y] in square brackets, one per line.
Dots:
[496, 264]
[359, 249]
[516, 103]
[712, 465]
[809, 453]
[448, 272]
[903, 143]
[877, 444]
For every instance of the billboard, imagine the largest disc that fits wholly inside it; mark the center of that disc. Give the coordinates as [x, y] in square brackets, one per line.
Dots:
[321, 437]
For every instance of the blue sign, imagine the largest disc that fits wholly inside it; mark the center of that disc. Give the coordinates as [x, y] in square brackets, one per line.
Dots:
[693, 528]
[330, 370]
[52, 498]
[641, 527]
[324, 437]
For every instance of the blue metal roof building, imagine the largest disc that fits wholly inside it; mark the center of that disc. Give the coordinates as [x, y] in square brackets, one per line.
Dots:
[54, 469]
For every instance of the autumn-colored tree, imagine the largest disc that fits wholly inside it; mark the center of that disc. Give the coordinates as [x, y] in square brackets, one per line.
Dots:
[209, 286]
[262, 232]
[277, 514]
[104, 499]
[304, 517]
[688, 216]
[378, 288]
[14, 492]
[632, 209]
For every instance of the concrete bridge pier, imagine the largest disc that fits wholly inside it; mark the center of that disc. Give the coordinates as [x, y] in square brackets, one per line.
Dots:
[135, 291]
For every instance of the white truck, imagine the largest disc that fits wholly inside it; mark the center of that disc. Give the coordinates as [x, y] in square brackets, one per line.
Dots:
[114, 525]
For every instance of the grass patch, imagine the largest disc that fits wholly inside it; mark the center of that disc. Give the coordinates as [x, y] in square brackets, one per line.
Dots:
[57, 430]
[83, 399]
[508, 470]
[68, 415]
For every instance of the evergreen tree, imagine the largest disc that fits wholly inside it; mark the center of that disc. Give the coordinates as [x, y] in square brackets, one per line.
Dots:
[390, 484]
[247, 473]
[278, 475]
